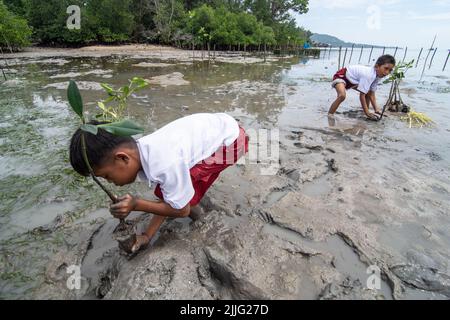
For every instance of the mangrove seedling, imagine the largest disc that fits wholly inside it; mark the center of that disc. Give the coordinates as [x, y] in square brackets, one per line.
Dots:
[113, 108]
[395, 102]
[123, 127]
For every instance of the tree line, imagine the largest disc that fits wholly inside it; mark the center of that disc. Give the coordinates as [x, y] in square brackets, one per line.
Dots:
[225, 24]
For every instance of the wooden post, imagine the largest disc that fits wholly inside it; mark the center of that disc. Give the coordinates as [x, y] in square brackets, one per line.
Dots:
[345, 57]
[6, 64]
[384, 51]
[432, 58]
[339, 63]
[426, 59]
[3, 72]
[370, 55]
[360, 55]
[395, 53]
[418, 58]
[404, 56]
[351, 54]
[445, 64]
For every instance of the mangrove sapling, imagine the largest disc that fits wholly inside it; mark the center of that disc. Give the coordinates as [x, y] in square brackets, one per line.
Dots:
[121, 128]
[395, 102]
[113, 108]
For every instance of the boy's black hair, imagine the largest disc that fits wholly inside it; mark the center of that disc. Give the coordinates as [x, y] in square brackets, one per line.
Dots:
[98, 148]
[387, 58]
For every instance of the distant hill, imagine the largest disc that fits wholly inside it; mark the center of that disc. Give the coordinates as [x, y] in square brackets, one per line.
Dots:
[325, 39]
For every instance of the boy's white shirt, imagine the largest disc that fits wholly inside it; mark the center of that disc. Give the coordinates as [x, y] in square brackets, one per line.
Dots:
[365, 77]
[169, 153]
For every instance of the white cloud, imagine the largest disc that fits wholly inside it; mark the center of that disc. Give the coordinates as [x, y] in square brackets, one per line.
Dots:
[350, 4]
[436, 16]
[330, 4]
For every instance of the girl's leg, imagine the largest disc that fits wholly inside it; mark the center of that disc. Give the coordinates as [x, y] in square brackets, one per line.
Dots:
[341, 95]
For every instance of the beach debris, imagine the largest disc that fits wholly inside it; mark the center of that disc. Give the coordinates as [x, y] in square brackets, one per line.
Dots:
[171, 79]
[417, 119]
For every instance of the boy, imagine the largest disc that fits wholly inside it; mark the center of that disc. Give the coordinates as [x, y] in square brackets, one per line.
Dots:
[363, 79]
[183, 158]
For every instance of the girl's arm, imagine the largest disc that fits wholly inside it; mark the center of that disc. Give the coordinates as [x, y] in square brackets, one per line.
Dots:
[373, 101]
[363, 100]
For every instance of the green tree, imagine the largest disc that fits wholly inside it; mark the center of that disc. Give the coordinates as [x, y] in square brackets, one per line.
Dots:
[248, 26]
[17, 7]
[111, 19]
[270, 11]
[203, 23]
[14, 31]
[168, 16]
[49, 22]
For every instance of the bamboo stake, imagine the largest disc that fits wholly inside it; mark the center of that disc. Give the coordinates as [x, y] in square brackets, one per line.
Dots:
[370, 55]
[360, 55]
[432, 58]
[351, 54]
[426, 59]
[339, 64]
[418, 58]
[345, 57]
[445, 64]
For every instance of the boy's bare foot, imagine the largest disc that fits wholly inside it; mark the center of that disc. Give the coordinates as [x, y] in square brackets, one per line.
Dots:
[141, 243]
[196, 213]
[134, 243]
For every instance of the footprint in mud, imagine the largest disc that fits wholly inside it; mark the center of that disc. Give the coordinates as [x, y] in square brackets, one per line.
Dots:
[434, 156]
[352, 114]
[296, 135]
[309, 147]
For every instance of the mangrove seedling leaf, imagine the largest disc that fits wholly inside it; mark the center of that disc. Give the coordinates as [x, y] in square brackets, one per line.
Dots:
[74, 97]
[108, 89]
[89, 128]
[122, 128]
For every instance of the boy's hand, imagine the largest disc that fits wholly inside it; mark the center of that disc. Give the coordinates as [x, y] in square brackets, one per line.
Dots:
[122, 209]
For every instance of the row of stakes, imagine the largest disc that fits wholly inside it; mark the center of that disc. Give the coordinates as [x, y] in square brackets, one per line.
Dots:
[431, 50]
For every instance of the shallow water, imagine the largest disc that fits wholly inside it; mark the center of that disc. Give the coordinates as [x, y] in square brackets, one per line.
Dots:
[37, 183]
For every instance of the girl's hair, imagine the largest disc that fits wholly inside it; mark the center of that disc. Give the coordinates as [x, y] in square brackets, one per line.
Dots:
[387, 58]
[98, 148]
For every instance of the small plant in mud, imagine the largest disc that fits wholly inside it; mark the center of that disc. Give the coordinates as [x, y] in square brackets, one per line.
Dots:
[113, 108]
[114, 122]
[395, 102]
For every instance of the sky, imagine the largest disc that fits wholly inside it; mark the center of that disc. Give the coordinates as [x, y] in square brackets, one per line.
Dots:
[412, 23]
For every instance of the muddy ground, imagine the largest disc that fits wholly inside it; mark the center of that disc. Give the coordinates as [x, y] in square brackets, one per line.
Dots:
[344, 197]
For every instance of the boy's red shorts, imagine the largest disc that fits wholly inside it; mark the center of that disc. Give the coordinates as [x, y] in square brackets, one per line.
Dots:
[204, 173]
[341, 74]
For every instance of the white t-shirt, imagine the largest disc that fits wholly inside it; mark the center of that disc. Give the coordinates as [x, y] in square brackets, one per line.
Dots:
[365, 77]
[168, 153]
